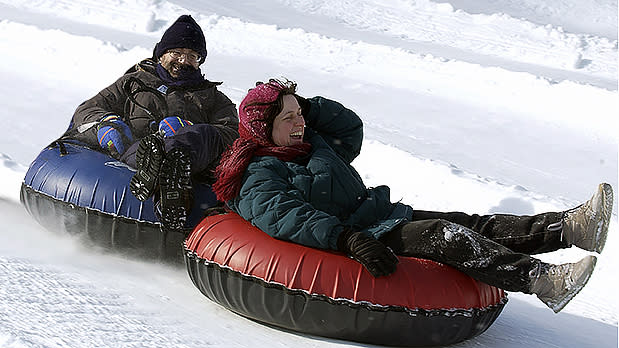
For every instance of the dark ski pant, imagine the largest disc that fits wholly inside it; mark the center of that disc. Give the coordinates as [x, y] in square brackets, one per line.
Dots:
[202, 141]
[494, 249]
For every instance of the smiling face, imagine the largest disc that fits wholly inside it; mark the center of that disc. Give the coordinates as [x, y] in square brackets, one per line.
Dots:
[177, 60]
[289, 124]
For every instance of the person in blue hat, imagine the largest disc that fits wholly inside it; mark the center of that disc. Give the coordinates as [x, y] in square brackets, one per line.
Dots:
[164, 118]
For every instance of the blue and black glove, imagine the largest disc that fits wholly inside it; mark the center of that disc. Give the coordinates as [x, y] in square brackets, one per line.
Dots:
[170, 125]
[114, 135]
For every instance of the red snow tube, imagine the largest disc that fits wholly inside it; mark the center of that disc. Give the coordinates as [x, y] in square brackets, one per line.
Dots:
[325, 293]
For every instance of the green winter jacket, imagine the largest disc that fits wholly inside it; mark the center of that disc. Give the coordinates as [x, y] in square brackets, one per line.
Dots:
[141, 97]
[310, 203]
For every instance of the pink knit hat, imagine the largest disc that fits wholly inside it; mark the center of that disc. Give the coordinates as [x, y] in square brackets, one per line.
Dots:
[252, 122]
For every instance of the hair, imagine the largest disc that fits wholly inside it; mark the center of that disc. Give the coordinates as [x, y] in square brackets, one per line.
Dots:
[273, 109]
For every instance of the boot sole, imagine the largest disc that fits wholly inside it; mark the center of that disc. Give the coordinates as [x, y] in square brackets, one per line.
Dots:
[602, 216]
[580, 283]
[175, 188]
[149, 158]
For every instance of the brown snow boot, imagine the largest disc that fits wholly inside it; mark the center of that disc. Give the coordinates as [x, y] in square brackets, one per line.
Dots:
[556, 285]
[586, 226]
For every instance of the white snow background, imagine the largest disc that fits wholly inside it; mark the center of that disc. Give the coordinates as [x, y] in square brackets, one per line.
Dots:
[474, 105]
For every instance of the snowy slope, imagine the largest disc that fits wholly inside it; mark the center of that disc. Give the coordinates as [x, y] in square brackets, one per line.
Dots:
[480, 106]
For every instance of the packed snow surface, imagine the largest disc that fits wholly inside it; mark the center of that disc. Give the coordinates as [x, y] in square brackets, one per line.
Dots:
[472, 105]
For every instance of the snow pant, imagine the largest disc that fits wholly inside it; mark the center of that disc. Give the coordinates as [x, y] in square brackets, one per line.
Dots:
[203, 143]
[494, 249]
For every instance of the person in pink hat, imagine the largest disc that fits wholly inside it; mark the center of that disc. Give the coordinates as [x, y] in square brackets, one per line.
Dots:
[290, 174]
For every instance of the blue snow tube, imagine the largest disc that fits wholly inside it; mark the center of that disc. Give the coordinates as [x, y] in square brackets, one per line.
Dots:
[72, 188]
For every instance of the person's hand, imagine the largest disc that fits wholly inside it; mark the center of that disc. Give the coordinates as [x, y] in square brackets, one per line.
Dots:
[303, 103]
[170, 125]
[114, 135]
[378, 259]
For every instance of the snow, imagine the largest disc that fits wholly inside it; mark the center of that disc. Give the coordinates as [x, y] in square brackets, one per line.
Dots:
[472, 105]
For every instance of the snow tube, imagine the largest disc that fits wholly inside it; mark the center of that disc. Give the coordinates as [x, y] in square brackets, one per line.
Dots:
[70, 187]
[325, 293]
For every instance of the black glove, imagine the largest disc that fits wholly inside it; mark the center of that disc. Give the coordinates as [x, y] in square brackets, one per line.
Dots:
[372, 254]
[304, 104]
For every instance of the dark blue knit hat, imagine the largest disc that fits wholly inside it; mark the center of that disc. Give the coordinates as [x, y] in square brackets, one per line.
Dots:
[184, 33]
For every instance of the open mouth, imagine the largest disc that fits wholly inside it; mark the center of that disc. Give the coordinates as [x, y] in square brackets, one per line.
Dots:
[297, 135]
[178, 70]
